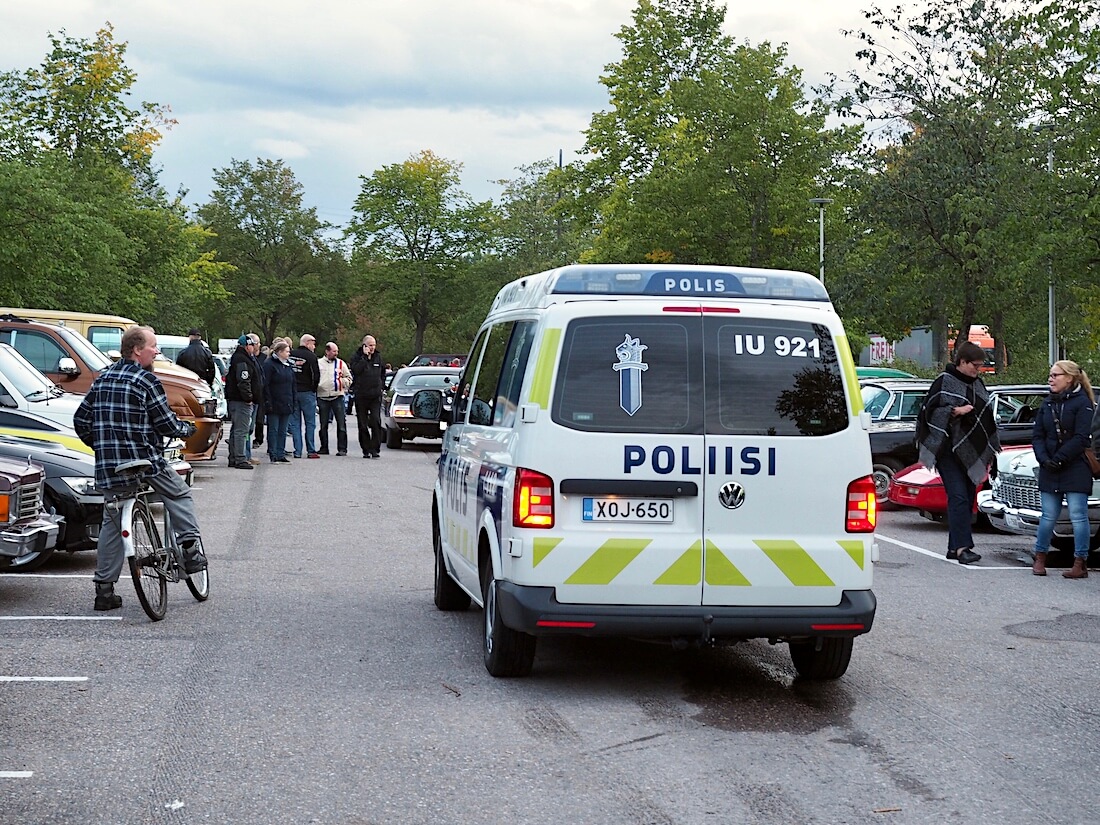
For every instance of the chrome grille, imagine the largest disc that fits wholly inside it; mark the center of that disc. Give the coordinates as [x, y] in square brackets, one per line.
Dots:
[30, 499]
[1019, 491]
[210, 408]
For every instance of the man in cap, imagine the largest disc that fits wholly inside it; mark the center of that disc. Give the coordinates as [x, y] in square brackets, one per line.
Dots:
[242, 389]
[197, 358]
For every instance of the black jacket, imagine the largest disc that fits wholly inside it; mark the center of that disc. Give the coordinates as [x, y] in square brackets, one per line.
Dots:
[1073, 412]
[197, 358]
[368, 376]
[243, 381]
[307, 372]
[279, 381]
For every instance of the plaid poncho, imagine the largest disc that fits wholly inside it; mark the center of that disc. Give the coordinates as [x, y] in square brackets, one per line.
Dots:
[972, 437]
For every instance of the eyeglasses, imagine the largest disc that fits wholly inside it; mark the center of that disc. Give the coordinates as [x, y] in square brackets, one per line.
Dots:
[1056, 374]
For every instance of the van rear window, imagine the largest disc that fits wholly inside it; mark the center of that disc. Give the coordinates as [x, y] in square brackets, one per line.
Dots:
[771, 377]
[626, 374]
[690, 375]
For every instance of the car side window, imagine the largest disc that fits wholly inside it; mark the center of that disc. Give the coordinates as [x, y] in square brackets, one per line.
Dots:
[484, 398]
[41, 350]
[511, 379]
[105, 339]
[462, 399]
[8, 419]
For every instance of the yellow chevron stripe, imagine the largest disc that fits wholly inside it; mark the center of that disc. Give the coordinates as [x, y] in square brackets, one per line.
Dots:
[608, 561]
[542, 548]
[721, 571]
[848, 367]
[685, 570]
[795, 563]
[855, 550]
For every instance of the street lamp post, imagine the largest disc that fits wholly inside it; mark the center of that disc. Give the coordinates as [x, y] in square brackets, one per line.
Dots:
[821, 204]
[1052, 321]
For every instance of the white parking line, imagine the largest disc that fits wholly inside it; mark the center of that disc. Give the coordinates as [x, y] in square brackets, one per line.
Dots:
[60, 618]
[16, 774]
[46, 575]
[933, 554]
[43, 678]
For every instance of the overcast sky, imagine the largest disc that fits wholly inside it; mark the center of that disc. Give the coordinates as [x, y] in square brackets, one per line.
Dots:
[340, 88]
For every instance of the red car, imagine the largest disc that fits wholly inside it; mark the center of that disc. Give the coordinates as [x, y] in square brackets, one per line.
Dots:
[918, 487]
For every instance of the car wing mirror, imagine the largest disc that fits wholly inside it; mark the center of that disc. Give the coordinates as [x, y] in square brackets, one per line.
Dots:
[427, 404]
[68, 367]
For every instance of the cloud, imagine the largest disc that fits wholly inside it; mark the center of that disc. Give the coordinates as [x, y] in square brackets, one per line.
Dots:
[340, 88]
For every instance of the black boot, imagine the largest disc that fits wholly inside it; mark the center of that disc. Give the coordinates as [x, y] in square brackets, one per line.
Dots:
[105, 598]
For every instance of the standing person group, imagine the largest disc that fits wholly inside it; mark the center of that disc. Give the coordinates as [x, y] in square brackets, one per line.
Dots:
[1063, 429]
[307, 375]
[368, 371]
[331, 391]
[957, 436]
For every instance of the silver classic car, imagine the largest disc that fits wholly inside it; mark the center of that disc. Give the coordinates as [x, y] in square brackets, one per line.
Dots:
[1012, 501]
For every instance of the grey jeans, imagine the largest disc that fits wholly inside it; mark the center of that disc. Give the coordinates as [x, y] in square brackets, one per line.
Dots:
[240, 432]
[176, 496]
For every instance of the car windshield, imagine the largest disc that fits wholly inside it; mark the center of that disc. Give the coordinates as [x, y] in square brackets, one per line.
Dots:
[91, 356]
[428, 381]
[29, 382]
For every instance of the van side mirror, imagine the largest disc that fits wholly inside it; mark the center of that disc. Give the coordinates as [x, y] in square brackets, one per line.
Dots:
[68, 366]
[427, 404]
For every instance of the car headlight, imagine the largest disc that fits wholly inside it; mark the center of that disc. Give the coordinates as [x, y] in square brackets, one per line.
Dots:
[81, 485]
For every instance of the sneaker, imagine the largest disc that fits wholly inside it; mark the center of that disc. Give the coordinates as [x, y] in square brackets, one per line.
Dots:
[254, 461]
[342, 452]
[244, 465]
[195, 563]
[297, 455]
[322, 451]
[314, 455]
[968, 556]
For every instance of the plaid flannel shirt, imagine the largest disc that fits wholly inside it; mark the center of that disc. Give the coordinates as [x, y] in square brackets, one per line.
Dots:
[124, 417]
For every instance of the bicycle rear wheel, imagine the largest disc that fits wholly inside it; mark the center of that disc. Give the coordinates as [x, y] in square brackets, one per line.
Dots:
[148, 564]
[199, 585]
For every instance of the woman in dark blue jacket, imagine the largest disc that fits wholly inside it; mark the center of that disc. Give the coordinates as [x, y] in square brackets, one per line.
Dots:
[1062, 431]
[279, 383]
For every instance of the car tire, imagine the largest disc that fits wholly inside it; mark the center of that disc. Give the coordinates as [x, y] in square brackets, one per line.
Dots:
[448, 595]
[882, 470]
[393, 438]
[830, 662]
[508, 653]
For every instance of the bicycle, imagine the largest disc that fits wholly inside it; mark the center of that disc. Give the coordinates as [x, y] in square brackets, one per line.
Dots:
[152, 563]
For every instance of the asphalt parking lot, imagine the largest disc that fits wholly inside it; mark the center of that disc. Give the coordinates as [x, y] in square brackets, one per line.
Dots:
[319, 684]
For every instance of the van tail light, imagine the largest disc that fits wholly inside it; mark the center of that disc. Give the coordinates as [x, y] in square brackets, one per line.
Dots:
[533, 502]
[862, 511]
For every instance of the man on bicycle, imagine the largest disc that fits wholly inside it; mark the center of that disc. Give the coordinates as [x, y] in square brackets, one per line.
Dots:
[125, 417]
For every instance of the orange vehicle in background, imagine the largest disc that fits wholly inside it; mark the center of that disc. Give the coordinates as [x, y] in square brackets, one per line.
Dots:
[67, 358]
[980, 335]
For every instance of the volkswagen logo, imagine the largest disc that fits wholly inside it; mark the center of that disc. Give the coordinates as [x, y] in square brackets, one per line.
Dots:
[732, 495]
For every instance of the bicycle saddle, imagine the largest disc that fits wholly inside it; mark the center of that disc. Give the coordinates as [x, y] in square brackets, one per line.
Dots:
[131, 469]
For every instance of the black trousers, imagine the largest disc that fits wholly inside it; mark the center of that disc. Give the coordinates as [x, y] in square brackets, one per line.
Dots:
[368, 415]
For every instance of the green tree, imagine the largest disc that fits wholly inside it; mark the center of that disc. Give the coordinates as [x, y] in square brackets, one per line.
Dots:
[287, 272]
[960, 208]
[76, 103]
[710, 150]
[416, 236]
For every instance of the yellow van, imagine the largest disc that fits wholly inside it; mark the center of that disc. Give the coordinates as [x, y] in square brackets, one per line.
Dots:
[104, 331]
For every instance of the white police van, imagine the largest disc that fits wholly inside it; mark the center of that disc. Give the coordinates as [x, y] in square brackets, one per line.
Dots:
[674, 452]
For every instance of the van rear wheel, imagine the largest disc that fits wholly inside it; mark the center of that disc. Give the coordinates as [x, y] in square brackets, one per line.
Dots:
[507, 652]
[826, 657]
